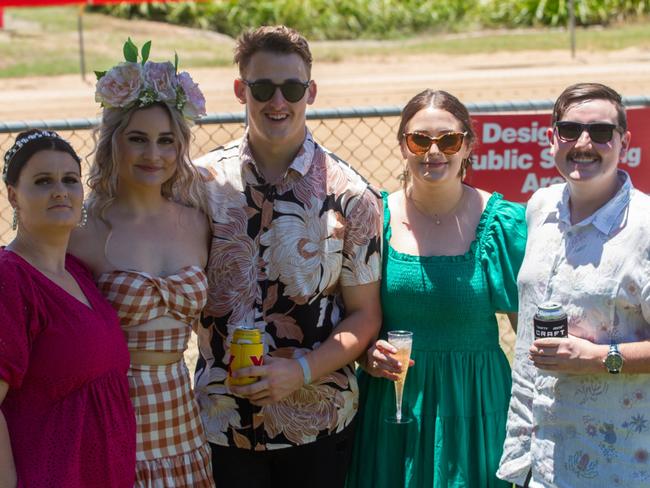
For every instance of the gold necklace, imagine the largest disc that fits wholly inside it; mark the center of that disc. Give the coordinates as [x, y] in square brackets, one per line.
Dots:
[436, 217]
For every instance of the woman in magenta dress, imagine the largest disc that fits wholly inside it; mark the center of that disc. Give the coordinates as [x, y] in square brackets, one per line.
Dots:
[66, 419]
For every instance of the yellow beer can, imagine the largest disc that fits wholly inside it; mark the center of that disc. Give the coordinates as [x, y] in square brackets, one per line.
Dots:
[246, 349]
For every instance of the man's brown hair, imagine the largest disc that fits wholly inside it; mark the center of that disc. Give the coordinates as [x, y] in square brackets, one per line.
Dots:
[582, 92]
[273, 38]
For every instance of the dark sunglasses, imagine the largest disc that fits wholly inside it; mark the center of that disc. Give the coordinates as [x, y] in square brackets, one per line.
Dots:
[449, 143]
[599, 132]
[292, 90]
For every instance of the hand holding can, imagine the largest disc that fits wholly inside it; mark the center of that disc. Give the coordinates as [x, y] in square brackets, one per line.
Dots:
[246, 349]
[550, 321]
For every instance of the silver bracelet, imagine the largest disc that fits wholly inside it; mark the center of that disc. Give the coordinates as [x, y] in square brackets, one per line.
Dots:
[306, 370]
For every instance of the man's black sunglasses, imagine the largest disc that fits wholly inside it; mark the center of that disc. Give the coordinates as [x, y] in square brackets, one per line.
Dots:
[599, 132]
[292, 90]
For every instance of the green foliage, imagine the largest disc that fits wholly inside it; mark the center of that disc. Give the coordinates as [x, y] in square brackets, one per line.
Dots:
[515, 13]
[317, 19]
[354, 19]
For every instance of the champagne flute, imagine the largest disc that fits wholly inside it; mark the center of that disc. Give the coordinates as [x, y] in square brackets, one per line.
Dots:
[402, 340]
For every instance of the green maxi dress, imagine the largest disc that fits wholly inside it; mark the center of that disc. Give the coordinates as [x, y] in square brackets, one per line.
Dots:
[458, 391]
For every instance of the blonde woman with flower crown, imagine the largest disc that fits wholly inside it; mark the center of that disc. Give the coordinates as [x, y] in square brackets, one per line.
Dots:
[146, 241]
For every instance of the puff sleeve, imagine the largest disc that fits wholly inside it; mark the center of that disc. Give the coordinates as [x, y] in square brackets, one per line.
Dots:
[16, 325]
[503, 253]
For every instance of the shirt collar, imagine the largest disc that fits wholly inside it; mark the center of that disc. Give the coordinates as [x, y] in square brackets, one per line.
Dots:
[605, 218]
[300, 164]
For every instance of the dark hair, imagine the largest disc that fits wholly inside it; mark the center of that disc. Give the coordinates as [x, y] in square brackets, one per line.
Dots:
[582, 92]
[274, 39]
[27, 144]
[442, 100]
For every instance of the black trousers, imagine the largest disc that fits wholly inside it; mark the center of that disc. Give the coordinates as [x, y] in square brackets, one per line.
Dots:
[320, 464]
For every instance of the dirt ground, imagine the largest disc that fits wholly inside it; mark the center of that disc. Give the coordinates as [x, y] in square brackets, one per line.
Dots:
[372, 81]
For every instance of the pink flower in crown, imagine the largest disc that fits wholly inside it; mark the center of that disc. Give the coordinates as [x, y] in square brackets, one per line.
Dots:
[194, 100]
[120, 86]
[161, 79]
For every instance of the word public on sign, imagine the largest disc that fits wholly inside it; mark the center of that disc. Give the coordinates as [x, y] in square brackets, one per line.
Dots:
[512, 155]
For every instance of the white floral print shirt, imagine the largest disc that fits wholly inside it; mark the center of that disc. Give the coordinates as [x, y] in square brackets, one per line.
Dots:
[279, 256]
[583, 430]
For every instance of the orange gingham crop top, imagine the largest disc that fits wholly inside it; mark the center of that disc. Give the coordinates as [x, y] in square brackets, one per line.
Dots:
[139, 297]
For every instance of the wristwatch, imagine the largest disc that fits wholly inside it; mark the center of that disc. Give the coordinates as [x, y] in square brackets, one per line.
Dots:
[614, 360]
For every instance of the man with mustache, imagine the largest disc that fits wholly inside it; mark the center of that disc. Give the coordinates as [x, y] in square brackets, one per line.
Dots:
[579, 412]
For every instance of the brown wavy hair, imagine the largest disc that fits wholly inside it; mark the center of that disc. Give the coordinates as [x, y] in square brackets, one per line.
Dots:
[274, 39]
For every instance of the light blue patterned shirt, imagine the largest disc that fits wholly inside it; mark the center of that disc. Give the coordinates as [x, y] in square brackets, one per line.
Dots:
[577, 430]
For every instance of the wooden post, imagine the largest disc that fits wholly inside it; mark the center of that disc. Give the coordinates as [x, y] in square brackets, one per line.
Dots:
[572, 27]
[82, 55]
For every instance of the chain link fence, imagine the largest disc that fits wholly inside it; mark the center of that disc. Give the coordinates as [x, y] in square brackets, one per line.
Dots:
[364, 137]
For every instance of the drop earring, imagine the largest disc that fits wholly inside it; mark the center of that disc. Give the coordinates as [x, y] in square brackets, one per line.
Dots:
[14, 222]
[84, 217]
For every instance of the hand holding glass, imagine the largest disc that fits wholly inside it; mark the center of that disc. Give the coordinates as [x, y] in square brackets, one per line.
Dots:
[402, 340]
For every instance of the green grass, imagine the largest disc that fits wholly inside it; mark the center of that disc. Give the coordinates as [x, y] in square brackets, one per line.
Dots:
[587, 39]
[43, 41]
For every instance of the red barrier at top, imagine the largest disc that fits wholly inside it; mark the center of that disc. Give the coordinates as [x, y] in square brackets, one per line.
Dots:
[52, 3]
[512, 155]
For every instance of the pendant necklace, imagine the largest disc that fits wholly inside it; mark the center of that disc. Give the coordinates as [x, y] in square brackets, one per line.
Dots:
[436, 218]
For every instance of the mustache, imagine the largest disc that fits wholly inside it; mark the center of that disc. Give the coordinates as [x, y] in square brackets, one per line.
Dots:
[580, 154]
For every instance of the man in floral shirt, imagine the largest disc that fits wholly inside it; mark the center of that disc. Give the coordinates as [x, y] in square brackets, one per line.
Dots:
[580, 408]
[296, 253]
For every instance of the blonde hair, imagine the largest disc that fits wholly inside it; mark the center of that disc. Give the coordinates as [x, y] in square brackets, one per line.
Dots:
[183, 187]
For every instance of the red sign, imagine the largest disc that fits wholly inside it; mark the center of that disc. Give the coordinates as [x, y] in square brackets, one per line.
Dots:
[512, 155]
[51, 3]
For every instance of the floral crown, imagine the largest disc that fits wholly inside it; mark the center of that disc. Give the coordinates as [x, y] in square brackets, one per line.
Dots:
[140, 84]
[18, 145]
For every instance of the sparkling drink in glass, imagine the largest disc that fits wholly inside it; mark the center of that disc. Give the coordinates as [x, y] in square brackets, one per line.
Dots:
[402, 340]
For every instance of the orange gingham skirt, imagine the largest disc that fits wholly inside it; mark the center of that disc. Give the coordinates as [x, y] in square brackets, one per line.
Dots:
[172, 450]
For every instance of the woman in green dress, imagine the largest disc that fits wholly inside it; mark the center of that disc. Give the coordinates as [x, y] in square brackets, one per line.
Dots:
[451, 257]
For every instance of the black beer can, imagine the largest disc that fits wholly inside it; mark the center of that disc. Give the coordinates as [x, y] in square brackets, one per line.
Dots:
[550, 321]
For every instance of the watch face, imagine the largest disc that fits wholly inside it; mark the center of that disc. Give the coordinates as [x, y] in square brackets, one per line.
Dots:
[614, 362]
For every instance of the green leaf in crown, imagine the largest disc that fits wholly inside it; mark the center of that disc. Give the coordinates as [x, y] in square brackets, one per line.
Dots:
[145, 51]
[130, 51]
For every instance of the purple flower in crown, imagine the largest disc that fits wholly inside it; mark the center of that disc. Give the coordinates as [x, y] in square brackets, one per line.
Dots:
[142, 83]
[120, 86]
[160, 78]
[194, 101]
